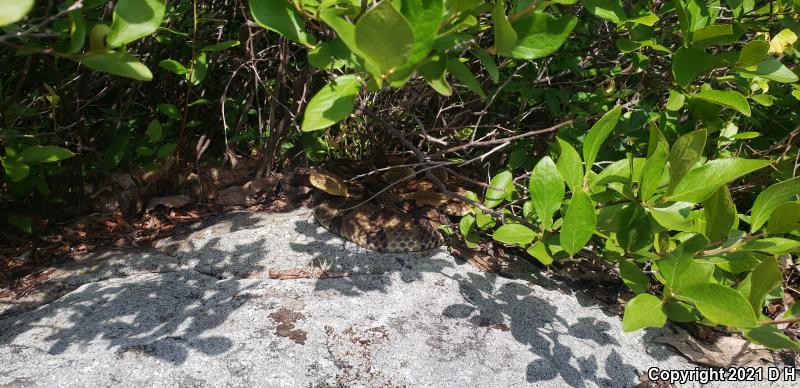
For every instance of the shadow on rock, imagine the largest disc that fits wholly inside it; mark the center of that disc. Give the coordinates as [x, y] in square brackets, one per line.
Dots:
[333, 253]
[157, 306]
[536, 323]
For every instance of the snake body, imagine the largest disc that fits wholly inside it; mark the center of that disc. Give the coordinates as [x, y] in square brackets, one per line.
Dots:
[378, 229]
[405, 219]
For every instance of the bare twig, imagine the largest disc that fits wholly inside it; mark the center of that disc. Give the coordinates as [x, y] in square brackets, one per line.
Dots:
[433, 178]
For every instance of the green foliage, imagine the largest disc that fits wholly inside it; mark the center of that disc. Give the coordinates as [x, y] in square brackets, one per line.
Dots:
[580, 220]
[642, 311]
[331, 104]
[281, 17]
[514, 234]
[770, 199]
[547, 191]
[121, 64]
[134, 19]
[12, 11]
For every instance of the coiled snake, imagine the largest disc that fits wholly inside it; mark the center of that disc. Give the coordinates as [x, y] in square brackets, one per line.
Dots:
[403, 218]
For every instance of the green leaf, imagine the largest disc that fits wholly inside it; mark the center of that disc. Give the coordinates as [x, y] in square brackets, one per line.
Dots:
[773, 245]
[199, 69]
[540, 34]
[15, 170]
[607, 9]
[121, 64]
[720, 304]
[170, 110]
[539, 251]
[12, 11]
[97, 38]
[684, 154]
[333, 103]
[643, 17]
[720, 213]
[345, 30]
[220, 46]
[619, 171]
[463, 5]
[332, 54]
[44, 154]
[488, 64]
[433, 72]
[675, 101]
[763, 100]
[280, 16]
[688, 64]
[466, 225]
[785, 219]
[746, 135]
[675, 216]
[713, 34]
[384, 36]
[483, 220]
[644, 310]
[598, 134]
[499, 189]
[77, 31]
[633, 277]
[752, 53]
[173, 66]
[780, 42]
[733, 262]
[609, 217]
[771, 337]
[570, 166]
[505, 38]
[764, 278]
[514, 234]
[680, 312]
[696, 272]
[579, 222]
[769, 200]
[675, 264]
[166, 150]
[652, 172]
[635, 230]
[546, 188]
[155, 131]
[626, 45]
[424, 17]
[134, 19]
[692, 15]
[729, 98]
[740, 7]
[771, 68]
[463, 74]
[314, 145]
[21, 222]
[702, 181]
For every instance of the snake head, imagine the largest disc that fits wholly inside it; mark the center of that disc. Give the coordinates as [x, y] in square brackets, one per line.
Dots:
[334, 184]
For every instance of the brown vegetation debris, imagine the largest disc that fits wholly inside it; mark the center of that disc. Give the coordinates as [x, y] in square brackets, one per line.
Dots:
[287, 274]
[721, 351]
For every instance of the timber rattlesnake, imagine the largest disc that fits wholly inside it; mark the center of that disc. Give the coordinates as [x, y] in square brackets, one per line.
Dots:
[403, 218]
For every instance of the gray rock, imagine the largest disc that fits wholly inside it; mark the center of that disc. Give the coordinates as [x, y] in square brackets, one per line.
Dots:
[203, 312]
